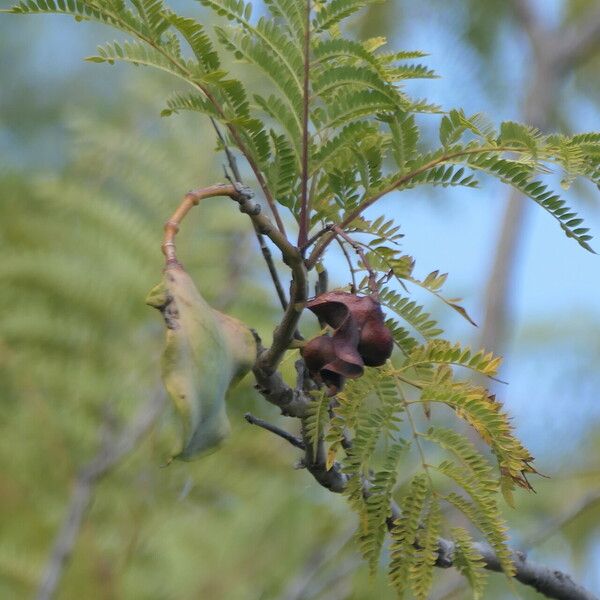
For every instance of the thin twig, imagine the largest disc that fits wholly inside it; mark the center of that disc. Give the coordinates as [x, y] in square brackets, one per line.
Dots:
[548, 581]
[190, 200]
[373, 287]
[231, 160]
[350, 265]
[315, 237]
[322, 280]
[368, 201]
[265, 250]
[288, 437]
[112, 451]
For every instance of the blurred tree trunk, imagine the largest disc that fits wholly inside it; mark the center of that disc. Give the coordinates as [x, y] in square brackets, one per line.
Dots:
[554, 54]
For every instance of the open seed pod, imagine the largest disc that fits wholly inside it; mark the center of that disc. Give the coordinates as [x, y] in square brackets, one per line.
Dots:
[206, 353]
[360, 338]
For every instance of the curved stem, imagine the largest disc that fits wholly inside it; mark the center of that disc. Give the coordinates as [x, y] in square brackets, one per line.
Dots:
[190, 200]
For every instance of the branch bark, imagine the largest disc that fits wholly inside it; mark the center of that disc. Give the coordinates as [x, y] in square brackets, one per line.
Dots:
[264, 249]
[546, 580]
[288, 437]
[112, 451]
[268, 359]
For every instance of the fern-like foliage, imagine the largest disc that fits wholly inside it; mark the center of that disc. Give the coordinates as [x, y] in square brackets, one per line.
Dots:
[330, 132]
[378, 412]
[315, 420]
[468, 562]
[359, 116]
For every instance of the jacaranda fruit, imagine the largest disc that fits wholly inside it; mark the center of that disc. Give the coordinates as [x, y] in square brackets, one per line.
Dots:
[206, 353]
[360, 338]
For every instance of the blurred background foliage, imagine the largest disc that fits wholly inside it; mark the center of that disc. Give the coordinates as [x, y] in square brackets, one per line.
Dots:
[88, 175]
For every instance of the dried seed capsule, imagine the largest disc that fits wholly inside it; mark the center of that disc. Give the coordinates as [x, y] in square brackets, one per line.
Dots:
[360, 338]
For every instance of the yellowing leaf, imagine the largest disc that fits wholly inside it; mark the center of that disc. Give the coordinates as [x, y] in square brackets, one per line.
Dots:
[206, 352]
[331, 456]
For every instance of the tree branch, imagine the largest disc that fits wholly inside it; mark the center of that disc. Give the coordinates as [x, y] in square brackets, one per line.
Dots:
[112, 451]
[315, 237]
[372, 279]
[547, 530]
[351, 268]
[265, 251]
[548, 581]
[284, 333]
[288, 437]
[545, 580]
[269, 359]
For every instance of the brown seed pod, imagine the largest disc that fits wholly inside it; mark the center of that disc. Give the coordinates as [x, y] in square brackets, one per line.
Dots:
[332, 361]
[360, 338]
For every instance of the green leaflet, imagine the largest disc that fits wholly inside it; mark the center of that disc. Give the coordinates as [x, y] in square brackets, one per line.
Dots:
[206, 353]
